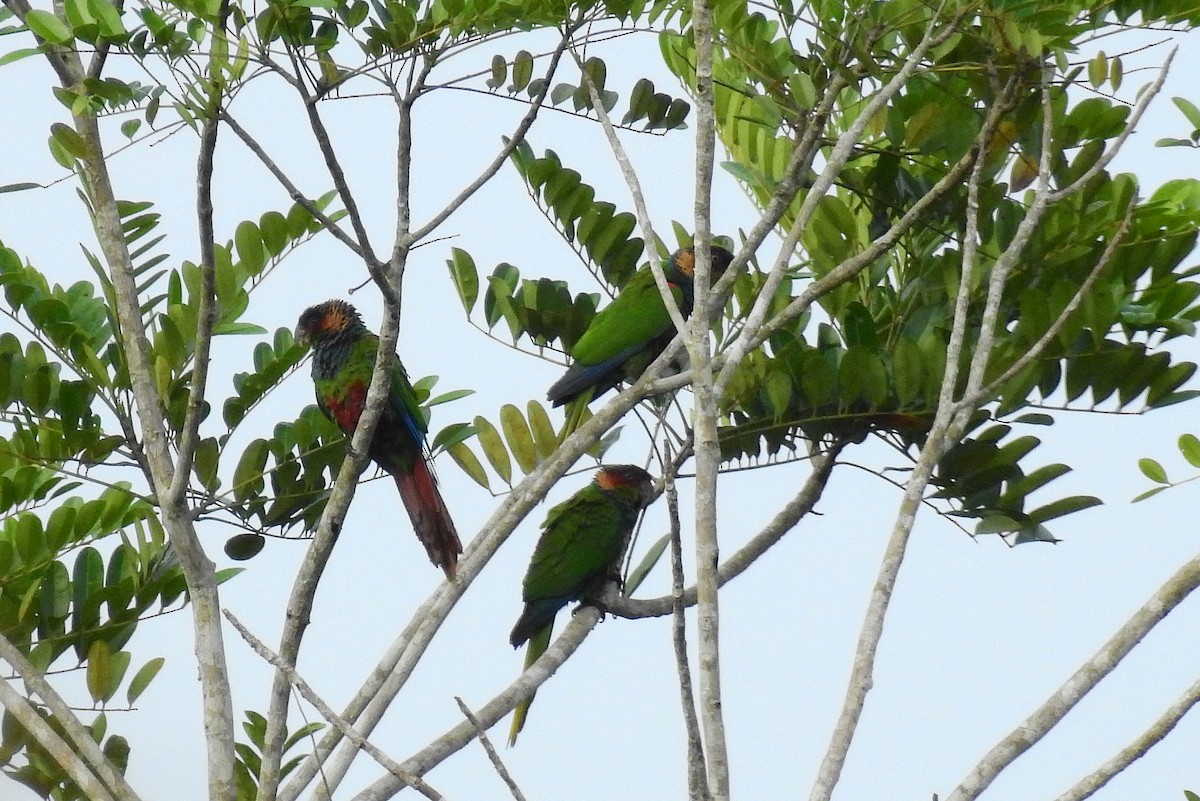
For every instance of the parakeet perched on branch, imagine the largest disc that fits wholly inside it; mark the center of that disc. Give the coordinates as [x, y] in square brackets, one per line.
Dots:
[582, 542]
[343, 360]
[628, 334]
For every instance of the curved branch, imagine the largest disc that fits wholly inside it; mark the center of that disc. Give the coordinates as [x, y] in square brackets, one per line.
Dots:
[734, 566]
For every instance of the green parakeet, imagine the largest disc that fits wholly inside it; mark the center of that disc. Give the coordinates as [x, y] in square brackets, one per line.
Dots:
[628, 334]
[582, 542]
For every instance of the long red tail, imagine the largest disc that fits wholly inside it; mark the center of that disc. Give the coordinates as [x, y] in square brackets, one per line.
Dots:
[430, 518]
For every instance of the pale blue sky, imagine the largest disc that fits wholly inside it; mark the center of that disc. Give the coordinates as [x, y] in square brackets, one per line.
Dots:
[979, 634]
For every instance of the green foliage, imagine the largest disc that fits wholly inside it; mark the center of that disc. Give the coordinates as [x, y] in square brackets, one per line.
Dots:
[248, 769]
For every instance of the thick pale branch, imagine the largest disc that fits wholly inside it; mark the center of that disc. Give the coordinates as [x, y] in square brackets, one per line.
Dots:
[23, 711]
[198, 570]
[82, 748]
[1173, 592]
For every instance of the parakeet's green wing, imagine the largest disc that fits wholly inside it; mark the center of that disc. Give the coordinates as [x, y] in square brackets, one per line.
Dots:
[404, 400]
[581, 539]
[635, 316]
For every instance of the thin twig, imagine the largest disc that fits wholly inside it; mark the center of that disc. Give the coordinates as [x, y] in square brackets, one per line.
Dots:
[783, 522]
[490, 749]
[697, 771]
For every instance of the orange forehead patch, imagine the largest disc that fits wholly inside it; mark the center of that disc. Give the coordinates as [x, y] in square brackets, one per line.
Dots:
[685, 261]
[610, 478]
[335, 318]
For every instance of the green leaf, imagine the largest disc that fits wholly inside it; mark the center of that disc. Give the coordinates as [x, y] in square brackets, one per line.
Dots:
[1188, 108]
[248, 475]
[98, 664]
[246, 545]
[48, 26]
[69, 139]
[465, 277]
[17, 55]
[997, 524]
[1189, 446]
[465, 458]
[447, 397]
[1065, 506]
[520, 440]
[1153, 471]
[541, 428]
[1098, 71]
[141, 680]
[647, 563]
[493, 448]
[522, 71]
[1037, 533]
[499, 72]
[249, 244]
[1150, 493]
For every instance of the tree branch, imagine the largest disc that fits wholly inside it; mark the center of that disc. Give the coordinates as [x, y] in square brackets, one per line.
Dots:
[1084, 680]
[85, 755]
[581, 624]
[325, 711]
[1135, 750]
[490, 749]
[781, 524]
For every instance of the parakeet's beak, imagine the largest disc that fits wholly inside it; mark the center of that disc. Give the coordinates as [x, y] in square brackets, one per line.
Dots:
[301, 335]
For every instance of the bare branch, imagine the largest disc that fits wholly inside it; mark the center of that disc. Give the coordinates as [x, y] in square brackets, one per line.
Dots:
[1172, 593]
[781, 524]
[206, 311]
[649, 238]
[494, 757]
[1088, 785]
[697, 772]
[293, 191]
[199, 571]
[325, 711]
[20, 708]
[580, 625]
[535, 105]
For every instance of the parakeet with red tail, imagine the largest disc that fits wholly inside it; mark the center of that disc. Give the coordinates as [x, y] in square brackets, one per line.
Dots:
[342, 363]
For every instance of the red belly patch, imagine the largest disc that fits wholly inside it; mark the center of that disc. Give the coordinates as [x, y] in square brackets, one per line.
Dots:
[346, 407]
